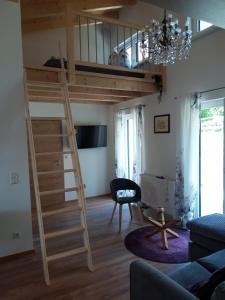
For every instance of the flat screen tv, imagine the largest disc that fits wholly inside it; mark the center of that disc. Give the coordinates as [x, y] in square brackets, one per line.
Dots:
[91, 136]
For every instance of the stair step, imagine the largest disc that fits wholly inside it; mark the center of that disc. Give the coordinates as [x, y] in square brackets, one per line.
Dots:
[63, 232]
[56, 172]
[53, 153]
[74, 189]
[61, 211]
[66, 254]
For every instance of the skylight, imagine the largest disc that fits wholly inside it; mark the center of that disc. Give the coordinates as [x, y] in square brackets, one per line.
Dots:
[203, 25]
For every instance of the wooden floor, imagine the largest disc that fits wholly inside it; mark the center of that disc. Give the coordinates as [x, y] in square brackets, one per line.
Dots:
[22, 278]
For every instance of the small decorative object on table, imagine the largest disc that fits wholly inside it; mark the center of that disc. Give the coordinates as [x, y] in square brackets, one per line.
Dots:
[162, 226]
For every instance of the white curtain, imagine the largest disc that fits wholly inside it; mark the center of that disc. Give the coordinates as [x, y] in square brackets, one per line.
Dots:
[187, 159]
[129, 143]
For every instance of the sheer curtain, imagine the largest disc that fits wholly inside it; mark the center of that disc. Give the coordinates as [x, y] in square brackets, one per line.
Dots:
[187, 159]
[129, 143]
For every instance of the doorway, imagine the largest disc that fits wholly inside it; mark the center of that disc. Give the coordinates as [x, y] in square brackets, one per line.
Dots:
[212, 156]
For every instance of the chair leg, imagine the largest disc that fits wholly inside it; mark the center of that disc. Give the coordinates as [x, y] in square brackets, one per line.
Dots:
[120, 217]
[114, 208]
[131, 215]
[140, 212]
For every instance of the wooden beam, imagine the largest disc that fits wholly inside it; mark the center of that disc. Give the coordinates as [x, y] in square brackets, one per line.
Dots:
[76, 96]
[59, 21]
[98, 81]
[41, 8]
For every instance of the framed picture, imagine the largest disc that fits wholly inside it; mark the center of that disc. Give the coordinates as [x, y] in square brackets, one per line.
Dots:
[162, 124]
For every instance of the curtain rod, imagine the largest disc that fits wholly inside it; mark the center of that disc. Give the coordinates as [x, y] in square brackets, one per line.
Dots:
[212, 90]
[140, 105]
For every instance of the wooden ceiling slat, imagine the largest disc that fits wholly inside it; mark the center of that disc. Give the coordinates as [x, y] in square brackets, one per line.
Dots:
[40, 8]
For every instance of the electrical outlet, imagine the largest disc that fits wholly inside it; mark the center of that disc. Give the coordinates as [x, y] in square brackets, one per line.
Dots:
[14, 178]
[16, 235]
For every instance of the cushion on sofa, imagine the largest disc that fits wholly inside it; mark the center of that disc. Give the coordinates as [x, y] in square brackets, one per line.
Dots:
[219, 293]
[206, 242]
[190, 274]
[214, 261]
[211, 226]
[204, 289]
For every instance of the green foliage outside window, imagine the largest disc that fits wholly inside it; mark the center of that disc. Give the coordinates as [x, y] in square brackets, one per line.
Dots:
[210, 113]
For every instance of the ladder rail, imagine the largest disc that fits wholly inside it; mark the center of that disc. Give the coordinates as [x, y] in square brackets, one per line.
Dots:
[36, 184]
[75, 160]
[77, 175]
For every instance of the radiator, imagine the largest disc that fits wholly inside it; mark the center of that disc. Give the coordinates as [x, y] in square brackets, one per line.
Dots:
[158, 192]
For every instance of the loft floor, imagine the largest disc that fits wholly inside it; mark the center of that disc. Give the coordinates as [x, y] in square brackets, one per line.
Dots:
[22, 278]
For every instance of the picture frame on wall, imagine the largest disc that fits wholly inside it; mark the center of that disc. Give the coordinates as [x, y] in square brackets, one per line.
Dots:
[162, 123]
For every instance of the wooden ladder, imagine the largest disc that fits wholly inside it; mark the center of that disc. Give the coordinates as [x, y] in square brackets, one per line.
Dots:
[63, 90]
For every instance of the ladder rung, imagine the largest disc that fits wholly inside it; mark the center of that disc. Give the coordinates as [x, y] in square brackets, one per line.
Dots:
[56, 172]
[61, 211]
[38, 118]
[66, 254]
[46, 99]
[63, 232]
[58, 191]
[53, 153]
[51, 135]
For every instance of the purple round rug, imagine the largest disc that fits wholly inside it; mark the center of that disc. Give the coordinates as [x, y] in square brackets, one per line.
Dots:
[151, 248]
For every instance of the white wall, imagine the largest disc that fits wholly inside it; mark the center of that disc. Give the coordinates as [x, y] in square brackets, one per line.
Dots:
[15, 213]
[95, 163]
[39, 46]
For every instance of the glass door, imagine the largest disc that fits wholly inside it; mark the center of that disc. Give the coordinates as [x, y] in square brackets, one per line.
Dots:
[212, 157]
[129, 162]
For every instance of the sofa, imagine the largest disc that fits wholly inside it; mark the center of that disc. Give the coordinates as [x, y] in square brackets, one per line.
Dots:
[207, 235]
[148, 283]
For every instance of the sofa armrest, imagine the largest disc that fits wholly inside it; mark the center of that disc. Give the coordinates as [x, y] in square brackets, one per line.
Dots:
[147, 283]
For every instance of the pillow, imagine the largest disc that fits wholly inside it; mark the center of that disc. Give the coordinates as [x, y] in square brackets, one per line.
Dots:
[204, 289]
[114, 59]
[219, 293]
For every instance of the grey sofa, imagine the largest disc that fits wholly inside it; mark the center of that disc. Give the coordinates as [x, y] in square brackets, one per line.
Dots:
[148, 283]
[207, 235]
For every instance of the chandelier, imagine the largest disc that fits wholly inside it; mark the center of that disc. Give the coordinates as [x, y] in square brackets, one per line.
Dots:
[165, 43]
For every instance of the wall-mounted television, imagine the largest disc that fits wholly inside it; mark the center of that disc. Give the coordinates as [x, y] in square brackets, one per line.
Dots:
[91, 136]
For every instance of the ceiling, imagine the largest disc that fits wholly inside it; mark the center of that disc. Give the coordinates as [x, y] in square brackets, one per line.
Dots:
[48, 14]
[212, 11]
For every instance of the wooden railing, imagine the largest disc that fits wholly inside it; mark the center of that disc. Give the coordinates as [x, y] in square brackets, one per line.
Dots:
[101, 41]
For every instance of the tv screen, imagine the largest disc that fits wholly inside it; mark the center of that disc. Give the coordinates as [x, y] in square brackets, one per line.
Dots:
[91, 136]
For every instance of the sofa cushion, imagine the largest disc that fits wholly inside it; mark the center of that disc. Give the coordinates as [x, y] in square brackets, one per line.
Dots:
[190, 275]
[206, 242]
[211, 226]
[214, 261]
[219, 293]
[205, 288]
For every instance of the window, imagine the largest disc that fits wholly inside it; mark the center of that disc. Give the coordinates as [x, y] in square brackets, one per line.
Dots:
[133, 50]
[202, 25]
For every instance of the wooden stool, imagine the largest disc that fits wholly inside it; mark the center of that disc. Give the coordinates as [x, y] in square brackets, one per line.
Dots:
[162, 226]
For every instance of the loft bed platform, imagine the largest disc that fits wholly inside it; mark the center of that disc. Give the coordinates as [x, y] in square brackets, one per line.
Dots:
[93, 83]
[88, 36]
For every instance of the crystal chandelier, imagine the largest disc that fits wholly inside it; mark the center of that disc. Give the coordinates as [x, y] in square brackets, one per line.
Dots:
[165, 43]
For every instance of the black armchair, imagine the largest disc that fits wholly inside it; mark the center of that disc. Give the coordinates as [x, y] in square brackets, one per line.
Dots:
[125, 191]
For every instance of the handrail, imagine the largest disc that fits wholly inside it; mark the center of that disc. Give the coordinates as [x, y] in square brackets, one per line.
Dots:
[109, 20]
